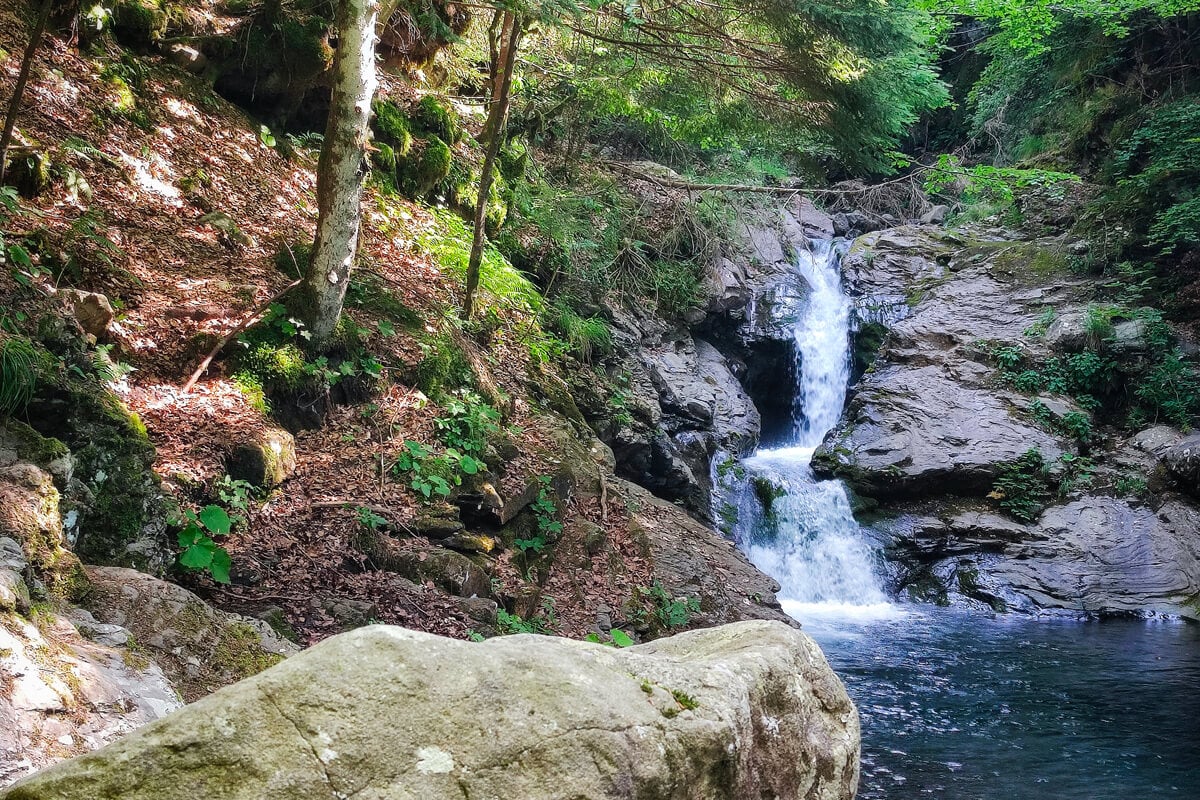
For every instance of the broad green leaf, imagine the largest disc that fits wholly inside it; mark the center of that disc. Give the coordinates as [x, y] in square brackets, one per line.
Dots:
[215, 519]
[621, 638]
[221, 562]
[196, 557]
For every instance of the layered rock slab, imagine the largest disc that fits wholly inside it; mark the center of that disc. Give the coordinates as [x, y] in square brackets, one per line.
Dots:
[745, 710]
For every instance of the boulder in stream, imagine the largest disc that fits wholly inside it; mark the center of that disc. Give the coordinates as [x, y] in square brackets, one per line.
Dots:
[745, 710]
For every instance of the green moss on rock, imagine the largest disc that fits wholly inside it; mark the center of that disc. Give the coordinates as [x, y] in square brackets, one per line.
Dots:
[392, 127]
[139, 22]
[418, 176]
[432, 116]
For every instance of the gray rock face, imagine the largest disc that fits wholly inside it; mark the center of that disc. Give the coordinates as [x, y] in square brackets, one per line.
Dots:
[1100, 554]
[936, 215]
[916, 431]
[1183, 462]
[929, 425]
[199, 647]
[684, 405]
[1094, 555]
[61, 694]
[691, 560]
[746, 710]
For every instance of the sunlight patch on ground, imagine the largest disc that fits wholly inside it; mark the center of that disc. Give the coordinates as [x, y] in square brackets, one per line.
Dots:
[181, 109]
[145, 178]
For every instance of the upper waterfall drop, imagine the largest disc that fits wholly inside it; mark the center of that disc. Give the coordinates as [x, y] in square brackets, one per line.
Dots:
[822, 337]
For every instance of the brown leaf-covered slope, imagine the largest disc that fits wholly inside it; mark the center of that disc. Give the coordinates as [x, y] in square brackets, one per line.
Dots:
[160, 153]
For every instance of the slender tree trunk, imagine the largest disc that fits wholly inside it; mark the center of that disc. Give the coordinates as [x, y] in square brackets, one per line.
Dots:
[340, 170]
[494, 128]
[14, 105]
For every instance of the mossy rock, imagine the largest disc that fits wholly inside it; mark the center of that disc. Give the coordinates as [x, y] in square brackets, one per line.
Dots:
[265, 462]
[29, 172]
[434, 117]
[418, 174]
[392, 127]
[29, 514]
[121, 513]
[384, 158]
[305, 45]
[460, 189]
[139, 23]
[512, 161]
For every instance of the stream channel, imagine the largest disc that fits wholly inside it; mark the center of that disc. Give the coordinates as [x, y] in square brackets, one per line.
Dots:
[959, 704]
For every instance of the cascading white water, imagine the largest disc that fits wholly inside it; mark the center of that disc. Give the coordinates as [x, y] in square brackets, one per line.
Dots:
[795, 528]
[822, 337]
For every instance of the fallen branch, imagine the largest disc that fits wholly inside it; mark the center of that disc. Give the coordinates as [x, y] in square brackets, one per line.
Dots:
[245, 323]
[690, 186]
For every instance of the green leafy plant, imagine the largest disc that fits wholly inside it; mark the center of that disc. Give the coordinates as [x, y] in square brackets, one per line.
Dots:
[200, 552]
[1131, 486]
[545, 512]
[542, 623]
[18, 373]
[672, 612]
[467, 423]
[109, 369]
[368, 518]
[1022, 488]
[616, 638]
[236, 494]
[431, 474]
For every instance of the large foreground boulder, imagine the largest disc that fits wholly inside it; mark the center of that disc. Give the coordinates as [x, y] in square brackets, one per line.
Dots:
[749, 710]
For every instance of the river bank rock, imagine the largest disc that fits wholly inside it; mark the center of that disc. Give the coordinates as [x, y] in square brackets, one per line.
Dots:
[1092, 556]
[931, 426]
[916, 431]
[199, 648]
[61, 695]
[745, 710]
[679, 405]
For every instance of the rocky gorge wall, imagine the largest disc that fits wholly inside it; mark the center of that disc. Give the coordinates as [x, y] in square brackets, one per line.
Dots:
[935, 430]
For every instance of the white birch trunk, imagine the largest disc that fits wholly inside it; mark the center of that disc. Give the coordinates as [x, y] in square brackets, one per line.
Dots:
[341, 169]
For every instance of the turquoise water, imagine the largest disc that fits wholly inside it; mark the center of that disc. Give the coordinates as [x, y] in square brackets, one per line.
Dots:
[962, 706]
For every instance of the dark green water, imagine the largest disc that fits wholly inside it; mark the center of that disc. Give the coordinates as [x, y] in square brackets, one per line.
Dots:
[960, 706]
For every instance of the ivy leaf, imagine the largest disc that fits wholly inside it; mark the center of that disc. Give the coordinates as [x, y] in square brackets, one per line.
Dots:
[470, 466]
[216, 520]
[385, 327]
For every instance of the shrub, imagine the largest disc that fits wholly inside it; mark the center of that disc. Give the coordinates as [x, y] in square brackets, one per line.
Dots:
[18, 373]
[583, 336]
[1021, 488]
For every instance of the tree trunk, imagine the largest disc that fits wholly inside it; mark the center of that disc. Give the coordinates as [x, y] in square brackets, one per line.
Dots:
[340, 170]
[494, 128]
[14, 105]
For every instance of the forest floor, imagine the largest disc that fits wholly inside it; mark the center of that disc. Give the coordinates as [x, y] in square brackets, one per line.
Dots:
[136, 179]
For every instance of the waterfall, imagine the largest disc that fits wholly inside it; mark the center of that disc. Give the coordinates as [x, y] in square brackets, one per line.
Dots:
[795, 528]
[822, 336]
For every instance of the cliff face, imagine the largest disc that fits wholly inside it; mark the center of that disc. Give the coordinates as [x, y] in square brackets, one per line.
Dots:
[991, 430]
